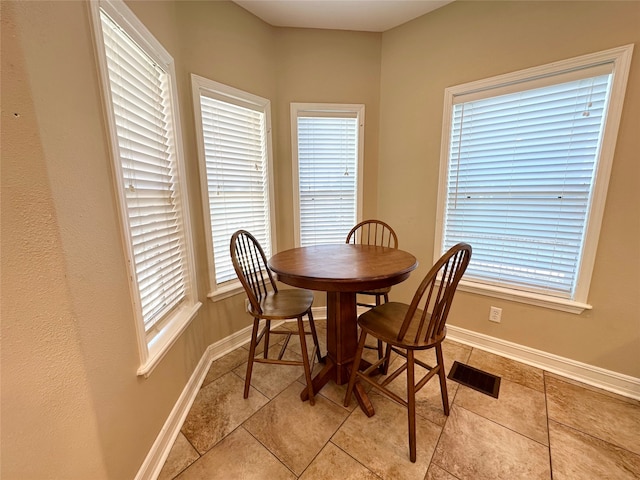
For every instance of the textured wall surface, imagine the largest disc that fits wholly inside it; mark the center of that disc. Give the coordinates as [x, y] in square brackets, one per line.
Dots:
[72, 405]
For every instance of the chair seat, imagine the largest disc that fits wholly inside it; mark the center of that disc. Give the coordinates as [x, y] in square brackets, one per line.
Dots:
[377, 291]
[285, 304]
[384, 322]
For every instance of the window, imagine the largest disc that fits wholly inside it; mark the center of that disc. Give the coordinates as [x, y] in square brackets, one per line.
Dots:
[139, 88]
[524, 171]
[327, 152]
[234, 142]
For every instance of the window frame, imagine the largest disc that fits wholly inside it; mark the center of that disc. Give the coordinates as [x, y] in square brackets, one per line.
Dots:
[620, 58]
[325, 109]
[199, 86]
[155, 343]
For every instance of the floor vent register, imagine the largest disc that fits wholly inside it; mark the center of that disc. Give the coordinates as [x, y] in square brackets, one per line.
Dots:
[473, 378]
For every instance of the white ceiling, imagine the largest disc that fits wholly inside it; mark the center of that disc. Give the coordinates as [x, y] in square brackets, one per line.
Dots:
[362, 15]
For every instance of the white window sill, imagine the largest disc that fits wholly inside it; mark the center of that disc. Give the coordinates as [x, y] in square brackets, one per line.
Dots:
[529, 298]
[164, 340]
[226, 291]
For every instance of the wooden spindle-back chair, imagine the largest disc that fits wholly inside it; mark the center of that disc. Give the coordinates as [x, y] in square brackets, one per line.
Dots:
[379, 233]
[418, 326]
[268, 303]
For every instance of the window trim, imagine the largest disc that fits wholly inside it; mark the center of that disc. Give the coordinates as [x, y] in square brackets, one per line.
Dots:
[620, 58]
[152, 345]
[324, 108]
[236, 96]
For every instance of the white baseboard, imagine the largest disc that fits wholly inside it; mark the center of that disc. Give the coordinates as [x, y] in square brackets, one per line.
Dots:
[598, 377]
[161, 448]
[159, 452]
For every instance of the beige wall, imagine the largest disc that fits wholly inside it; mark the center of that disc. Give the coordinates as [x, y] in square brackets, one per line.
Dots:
[324, 66]
[69, 353]
[72, 405]
[468, 41]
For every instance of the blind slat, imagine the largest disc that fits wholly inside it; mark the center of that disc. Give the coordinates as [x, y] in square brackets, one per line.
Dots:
[520, 182]
[141, 98]
[327, 169]
[235, 148]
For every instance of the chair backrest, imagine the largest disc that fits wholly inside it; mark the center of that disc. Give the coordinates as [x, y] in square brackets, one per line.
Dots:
[373, 232]
[435, 295]
[250, 264]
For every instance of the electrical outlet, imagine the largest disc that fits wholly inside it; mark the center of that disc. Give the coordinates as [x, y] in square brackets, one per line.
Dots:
[495, 314]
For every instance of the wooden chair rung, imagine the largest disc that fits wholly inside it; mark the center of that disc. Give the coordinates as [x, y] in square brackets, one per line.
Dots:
[274, 361]
[426, 378]
[394, 375]
[379, 387]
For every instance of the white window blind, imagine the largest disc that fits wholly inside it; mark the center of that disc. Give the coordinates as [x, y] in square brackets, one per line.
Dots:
[235, 151]
[328, 164]
[520, 180]
[139, 90]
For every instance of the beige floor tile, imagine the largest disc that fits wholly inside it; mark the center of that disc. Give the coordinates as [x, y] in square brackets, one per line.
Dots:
[429, 398]
[225, 364]
[218, 409]
[577, 456]
[602, 416]
[451, 351]
[437, 473]
[334, 464]
[508, 369]
[593, 434]
[182, 455]
[381, 442]
[238, 456]
[294, 431]
[577, 383]
[271, 379]
[294, 344]
[519, 408]
[334, 392]
[472, 447]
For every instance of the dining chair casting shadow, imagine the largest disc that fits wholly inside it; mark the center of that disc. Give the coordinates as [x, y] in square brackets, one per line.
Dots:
[268, 303]
[418, 326]
[379, 233]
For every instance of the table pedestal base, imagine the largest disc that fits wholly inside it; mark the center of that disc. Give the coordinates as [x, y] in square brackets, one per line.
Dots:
[342, 341]
[329, 373]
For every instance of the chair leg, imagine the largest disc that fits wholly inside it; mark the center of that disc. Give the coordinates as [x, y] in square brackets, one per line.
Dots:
[411, 403]
[387, 359]
[443, 380]
[305, 361]
[380, 348]
[387, 353]
[267, 331]
[354, 368]
[252, 353]
[312, 325]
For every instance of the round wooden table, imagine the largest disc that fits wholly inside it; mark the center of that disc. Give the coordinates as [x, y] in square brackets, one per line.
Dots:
[342, 270]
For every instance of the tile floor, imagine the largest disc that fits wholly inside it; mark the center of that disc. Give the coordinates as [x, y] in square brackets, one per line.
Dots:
[542, 426]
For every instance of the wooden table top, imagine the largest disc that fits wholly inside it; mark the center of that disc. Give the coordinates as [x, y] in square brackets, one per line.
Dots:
[342, 267]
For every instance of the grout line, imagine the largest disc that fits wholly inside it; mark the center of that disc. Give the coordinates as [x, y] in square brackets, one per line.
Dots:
[546, 409]
[349, 455]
